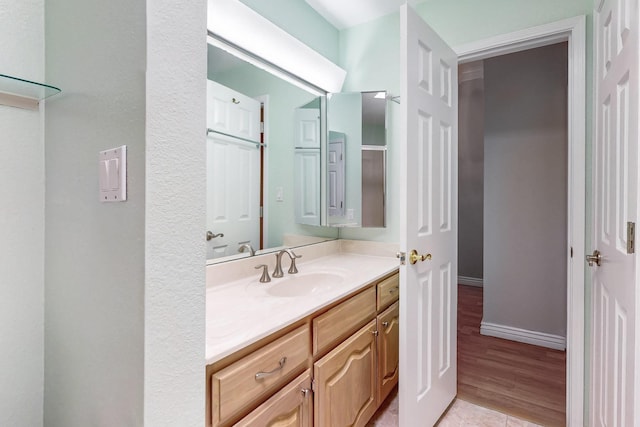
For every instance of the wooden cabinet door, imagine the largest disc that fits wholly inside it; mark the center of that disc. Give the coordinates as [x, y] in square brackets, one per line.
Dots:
[388, 350]
[345, 380]
[290, 407]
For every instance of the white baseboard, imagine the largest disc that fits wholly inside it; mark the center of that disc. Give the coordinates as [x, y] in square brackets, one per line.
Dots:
[522, 335]
[470, 281]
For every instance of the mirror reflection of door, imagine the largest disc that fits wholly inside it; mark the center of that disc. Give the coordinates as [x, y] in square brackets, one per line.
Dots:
[307, 167]
[335, 173]
[233, 170]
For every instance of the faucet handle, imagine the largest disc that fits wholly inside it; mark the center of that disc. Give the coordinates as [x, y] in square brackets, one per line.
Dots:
[265, 273]
[292, 268]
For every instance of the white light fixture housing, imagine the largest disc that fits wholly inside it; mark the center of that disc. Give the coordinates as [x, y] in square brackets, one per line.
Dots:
[242, 27]
[381, 95]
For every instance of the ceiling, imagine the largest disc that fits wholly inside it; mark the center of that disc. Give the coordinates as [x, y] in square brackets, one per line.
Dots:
[344, 14]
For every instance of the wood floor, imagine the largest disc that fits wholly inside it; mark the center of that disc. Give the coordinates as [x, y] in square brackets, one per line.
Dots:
[518, 379]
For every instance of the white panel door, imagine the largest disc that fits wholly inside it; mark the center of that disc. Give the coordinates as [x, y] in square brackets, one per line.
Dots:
[233, 194]
[335, 174]
[307, 128]
[428, 199]
[232, 113]
[614, 357]
[307, 186]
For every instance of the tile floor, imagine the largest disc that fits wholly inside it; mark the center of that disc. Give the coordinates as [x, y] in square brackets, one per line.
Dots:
[460, 414]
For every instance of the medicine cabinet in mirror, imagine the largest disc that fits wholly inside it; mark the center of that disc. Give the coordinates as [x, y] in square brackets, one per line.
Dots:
[356, 159]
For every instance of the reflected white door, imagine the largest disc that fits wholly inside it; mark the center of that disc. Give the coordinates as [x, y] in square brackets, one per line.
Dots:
[306, 186]
[233, 170]
[614, 389]
[335, 173]
[428, 198]
[233, 195]
[307, 128]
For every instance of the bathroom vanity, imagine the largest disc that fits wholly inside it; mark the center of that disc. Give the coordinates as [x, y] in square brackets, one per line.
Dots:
[318, 348]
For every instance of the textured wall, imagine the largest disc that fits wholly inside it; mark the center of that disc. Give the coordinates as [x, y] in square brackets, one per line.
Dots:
[525, 190]
[22, 222]
[95, 253]
[175, 251]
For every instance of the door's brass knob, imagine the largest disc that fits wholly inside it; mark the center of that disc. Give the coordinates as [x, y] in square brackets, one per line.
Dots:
[415, 257]
[596, 258]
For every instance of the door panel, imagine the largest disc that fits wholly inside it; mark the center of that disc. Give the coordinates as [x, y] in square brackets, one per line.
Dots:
[233, 170]
[615, 187]
[428, 295]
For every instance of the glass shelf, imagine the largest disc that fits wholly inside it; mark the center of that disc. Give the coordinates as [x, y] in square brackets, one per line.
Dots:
[26, 88]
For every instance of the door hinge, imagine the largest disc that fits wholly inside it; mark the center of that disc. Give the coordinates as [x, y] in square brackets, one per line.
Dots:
[571, 254]
[261, 211]
[402, 256]
[261, 127]
[631, 237]
[313, 385]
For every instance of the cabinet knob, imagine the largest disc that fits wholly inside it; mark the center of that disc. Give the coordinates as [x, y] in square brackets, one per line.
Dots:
[385, 324]
[305, 392]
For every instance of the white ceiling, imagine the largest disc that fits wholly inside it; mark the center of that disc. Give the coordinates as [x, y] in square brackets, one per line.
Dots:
[347, 13]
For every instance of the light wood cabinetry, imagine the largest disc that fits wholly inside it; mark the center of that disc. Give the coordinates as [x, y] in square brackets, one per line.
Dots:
[388, 350]
[350, 353]
[345, 380]
[388, 291]
[337, 323]
[258, 374]
[290, 407]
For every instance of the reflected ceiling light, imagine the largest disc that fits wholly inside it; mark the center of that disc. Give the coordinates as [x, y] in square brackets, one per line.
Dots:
[240, 26]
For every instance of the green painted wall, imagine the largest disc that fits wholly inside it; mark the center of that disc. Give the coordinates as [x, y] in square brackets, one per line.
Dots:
[301, 21]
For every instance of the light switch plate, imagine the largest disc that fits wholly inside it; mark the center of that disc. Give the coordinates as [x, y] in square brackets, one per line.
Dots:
[112, 170]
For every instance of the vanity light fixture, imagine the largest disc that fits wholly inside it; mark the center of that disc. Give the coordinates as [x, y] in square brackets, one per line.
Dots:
[381, 95]
[241, 27]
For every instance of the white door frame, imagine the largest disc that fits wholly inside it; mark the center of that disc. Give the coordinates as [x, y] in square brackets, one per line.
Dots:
[573, 31]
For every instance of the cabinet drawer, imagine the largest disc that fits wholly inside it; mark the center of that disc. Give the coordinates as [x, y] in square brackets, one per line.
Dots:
[291, 406]
[258, 374]
[343, 319]
[388, 290]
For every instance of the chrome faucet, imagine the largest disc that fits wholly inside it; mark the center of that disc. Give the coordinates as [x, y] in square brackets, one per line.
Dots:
[292, 269]
[247, 247]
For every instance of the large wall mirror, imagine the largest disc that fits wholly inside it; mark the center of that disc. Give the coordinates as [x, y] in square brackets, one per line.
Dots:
[356, 159]
[256, 199]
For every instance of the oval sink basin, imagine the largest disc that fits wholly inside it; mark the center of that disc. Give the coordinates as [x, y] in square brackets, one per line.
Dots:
[297, 285]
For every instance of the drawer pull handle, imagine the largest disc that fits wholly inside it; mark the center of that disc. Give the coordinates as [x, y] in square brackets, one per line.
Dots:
[392, 290]
[261, 375]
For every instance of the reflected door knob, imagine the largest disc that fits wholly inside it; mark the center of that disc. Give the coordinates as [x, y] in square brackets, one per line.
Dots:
[415, 257]
[595, 258]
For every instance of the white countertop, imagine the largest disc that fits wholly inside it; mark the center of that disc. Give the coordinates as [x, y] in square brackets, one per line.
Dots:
[240, 312]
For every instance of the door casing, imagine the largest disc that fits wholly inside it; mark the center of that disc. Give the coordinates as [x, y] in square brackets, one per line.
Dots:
[572, 31]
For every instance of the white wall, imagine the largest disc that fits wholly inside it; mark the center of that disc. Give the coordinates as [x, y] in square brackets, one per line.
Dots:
[22, 222]
[525, 190]
[470, 177]
[95, 252]
[175, 250]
